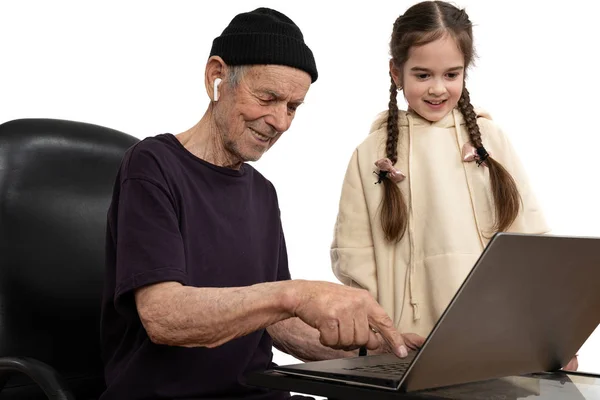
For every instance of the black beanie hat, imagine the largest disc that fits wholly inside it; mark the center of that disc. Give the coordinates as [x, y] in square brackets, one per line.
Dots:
[264, 36]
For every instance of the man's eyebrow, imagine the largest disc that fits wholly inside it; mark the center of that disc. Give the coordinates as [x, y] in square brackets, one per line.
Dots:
[272, 93]
[279, 97]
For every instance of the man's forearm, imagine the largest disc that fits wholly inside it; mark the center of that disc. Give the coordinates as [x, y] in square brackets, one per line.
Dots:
[178, 315]
[296, 338]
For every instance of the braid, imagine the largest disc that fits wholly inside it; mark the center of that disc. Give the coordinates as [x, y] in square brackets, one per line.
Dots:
[391, 145]
[393, 211]
[507, 199]
[468, 112]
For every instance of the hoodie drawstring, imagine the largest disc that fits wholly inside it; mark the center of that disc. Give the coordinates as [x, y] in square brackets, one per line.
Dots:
[414, 298]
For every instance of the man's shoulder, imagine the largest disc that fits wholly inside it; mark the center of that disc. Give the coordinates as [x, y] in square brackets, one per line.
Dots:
[148, 156]
[150, 147]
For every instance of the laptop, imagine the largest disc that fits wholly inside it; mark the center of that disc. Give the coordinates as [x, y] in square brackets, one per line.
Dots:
[528, 305]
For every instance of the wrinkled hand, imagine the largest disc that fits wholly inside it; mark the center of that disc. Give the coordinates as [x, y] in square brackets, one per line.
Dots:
[572, 365]
[347, 318]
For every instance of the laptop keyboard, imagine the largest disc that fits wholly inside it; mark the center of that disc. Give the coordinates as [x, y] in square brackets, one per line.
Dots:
[383, 369]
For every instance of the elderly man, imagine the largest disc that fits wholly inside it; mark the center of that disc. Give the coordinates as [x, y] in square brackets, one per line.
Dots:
[197, 281]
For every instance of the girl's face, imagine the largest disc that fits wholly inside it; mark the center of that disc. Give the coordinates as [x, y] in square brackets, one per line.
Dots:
[432, 78]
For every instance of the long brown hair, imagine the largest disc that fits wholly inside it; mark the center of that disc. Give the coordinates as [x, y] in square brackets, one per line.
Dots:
[421, 24]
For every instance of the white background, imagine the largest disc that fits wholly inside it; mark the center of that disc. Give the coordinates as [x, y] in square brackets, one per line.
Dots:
[138, 67]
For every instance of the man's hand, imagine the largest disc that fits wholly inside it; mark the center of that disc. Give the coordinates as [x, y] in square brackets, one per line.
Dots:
[347, 318]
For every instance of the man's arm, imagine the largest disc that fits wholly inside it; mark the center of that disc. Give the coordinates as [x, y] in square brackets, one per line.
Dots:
[178, 315]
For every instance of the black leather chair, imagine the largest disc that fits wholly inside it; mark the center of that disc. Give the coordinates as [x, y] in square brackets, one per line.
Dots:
[56, 180]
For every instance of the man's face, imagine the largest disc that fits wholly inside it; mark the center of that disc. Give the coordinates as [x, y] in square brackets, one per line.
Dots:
[251, 117]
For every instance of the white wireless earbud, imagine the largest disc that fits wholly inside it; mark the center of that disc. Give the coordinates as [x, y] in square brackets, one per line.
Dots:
[216, 89]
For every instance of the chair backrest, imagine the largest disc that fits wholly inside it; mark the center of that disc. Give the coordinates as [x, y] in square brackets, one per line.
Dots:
[56, 180]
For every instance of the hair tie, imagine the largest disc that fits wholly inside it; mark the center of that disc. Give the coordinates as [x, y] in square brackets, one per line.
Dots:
[482, 155]
[381, 175]
[387, 170]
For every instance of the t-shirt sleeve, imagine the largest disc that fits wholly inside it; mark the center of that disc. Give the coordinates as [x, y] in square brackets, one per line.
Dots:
[283, 271]
[149, 243]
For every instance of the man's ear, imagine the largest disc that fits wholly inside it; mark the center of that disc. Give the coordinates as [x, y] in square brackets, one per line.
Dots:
[214, 74]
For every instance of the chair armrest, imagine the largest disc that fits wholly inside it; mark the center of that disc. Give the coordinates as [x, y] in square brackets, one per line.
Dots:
[47, 378]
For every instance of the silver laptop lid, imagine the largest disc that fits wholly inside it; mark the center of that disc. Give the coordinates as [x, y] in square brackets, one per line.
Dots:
[528, 305]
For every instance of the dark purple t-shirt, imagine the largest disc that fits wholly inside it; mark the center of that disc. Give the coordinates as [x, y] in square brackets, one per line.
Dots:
[175, 217]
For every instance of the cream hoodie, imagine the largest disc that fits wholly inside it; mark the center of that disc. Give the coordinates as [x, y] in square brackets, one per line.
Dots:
[451, 215]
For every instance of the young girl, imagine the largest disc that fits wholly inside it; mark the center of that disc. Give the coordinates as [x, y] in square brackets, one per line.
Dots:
[429, 187]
